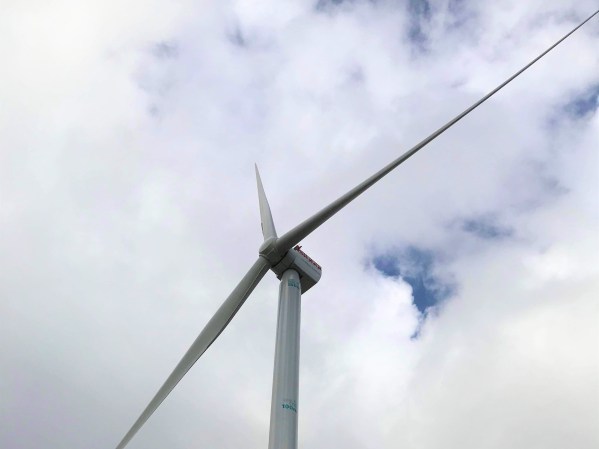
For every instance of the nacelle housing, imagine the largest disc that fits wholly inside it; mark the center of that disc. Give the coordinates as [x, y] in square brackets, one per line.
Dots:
[308, 270]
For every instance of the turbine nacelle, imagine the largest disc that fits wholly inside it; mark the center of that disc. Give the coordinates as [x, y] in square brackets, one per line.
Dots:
[308, 270]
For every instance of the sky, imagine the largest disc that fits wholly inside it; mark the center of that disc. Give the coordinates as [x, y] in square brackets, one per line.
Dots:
[458, 306]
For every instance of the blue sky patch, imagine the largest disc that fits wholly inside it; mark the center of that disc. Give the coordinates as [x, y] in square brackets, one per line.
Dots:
[416, 267]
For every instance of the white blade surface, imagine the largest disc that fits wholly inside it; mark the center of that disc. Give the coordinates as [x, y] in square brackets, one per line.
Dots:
[210, 332]
[268, 225]
[295, 235]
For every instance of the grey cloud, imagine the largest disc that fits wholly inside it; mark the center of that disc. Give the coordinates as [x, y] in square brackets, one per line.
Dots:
[584, 104]
[486, 228]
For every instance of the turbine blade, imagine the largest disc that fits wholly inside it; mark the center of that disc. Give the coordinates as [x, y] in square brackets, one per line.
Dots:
[295, 235]
[268, 225]
[210, 332]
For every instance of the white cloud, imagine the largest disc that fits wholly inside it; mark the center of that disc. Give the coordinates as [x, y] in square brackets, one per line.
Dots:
[128, 211]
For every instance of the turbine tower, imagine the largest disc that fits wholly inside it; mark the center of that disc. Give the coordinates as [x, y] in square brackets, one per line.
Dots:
[297, 273]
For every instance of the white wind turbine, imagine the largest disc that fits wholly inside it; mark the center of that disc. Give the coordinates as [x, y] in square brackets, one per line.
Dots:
[297, 272]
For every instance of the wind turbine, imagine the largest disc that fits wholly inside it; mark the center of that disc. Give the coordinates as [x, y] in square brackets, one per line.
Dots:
[297, 273]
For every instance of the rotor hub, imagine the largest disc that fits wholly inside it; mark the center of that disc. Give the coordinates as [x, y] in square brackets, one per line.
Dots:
[270, 252]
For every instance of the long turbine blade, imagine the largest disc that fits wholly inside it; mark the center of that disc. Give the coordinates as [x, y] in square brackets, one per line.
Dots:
[268, 225]
[295, 235]
[212, 330]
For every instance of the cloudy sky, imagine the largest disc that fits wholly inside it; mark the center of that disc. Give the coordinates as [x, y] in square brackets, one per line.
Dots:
[459, 303]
